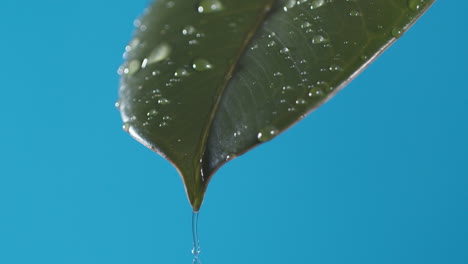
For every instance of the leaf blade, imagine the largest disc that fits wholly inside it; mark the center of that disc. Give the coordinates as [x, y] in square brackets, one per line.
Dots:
[216, 84]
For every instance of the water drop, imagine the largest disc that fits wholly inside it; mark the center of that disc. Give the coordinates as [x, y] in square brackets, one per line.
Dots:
[301, 101]
[354, 13]
[170, 4]
[132, 67]
[334, 67]
[284, 50]
[132, 45]
[144, 63]
[306, 25]
[201, 65]
[164, 101]
[117, 103]
[137, 22]
[209, 6]
[159, 53]
[181, 72]
[289, 4]
[315, 92]
[153, 112]
[188, 30]
[277, 74]
[126, 126]
[193, 42]
[317, 39]
[271, 43]
[267, 133]
[317, 3]
[287, 88]
[121, 70]
[397, 32]
[415, 5]
[195, 240]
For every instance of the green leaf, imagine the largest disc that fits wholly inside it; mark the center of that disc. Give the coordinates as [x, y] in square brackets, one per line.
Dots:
[205, 82]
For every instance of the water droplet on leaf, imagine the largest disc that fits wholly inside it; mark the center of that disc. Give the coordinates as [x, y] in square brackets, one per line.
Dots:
[201, 65]
[415, 5]
[267, 133]
[289, 4]
[397, 32]
[209, 6]
[354, 13]
[189, 30]
[153, 112]
[181, 72]
[317, 39]
[117, 103]
[317, 3]
[159, 53]
[126, 126]
[133, 67]
[164, 101]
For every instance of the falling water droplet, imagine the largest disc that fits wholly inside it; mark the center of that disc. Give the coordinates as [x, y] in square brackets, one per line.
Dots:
[209, 6]
[201, 65]
[195, 240]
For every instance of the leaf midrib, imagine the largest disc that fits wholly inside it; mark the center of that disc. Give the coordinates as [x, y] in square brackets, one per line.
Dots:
[227, 77]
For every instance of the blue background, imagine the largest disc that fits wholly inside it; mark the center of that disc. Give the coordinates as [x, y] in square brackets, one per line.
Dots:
[389, 152]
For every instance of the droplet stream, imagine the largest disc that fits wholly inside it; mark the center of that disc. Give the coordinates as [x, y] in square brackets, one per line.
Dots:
[196, 242]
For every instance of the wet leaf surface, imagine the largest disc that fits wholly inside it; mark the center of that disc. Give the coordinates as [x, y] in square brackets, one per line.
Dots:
[204, 82]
